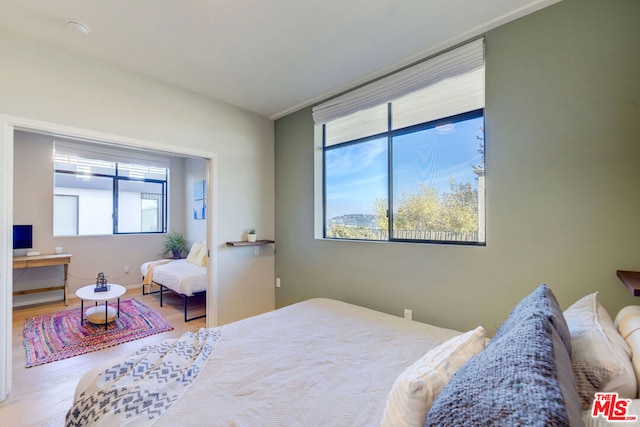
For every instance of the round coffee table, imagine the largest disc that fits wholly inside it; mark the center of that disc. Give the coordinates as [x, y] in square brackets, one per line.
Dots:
[96, 314]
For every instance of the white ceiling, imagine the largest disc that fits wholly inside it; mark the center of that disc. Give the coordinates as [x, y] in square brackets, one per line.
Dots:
[270, 57]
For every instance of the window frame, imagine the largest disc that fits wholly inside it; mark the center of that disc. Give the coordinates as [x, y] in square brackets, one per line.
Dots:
[115, 194]
[454, 82]
[390, 134]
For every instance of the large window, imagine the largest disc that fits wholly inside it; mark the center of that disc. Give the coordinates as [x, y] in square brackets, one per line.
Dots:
[107, 191]
[411, 168]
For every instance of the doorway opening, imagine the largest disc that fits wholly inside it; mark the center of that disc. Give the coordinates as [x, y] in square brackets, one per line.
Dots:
[16, 201]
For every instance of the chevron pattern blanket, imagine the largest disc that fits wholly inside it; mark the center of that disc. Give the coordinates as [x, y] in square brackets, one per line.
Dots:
[142, 387]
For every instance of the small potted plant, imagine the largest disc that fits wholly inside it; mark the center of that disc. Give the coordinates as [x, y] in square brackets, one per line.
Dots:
[175, 244]
[251, 235]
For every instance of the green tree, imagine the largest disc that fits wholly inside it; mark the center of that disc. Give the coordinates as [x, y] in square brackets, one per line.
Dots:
[380, 207]
[339, 231]
[426, 210]
[419, 211]
[460, 208]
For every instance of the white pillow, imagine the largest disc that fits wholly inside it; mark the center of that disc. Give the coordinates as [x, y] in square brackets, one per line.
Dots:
[195, 253]
[600, 358]
[202, 255]
[201, 258]
[628, 324]
[418, 385]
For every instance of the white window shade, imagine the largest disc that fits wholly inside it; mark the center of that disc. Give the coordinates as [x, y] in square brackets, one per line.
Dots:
[364, 123]
[108, 154]
[449, 65]
[447, 98]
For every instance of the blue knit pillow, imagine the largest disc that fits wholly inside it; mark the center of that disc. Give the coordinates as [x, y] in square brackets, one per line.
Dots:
[514, 381]
[540, 302]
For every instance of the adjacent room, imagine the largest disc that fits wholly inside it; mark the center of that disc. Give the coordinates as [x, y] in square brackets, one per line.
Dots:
[396, 206]
[64, 190]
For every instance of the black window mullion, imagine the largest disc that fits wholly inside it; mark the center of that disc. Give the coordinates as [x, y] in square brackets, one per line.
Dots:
[438, 122]
[389, 174]
[165, 204]
[324, 181]
[114, 214]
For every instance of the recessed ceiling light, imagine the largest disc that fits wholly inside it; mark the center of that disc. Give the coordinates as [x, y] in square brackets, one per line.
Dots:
[78, 27]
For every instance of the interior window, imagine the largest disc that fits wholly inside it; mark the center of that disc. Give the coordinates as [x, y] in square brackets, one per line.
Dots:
[96, 196]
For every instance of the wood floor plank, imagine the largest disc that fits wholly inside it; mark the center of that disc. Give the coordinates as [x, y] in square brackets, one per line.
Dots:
[42, 395]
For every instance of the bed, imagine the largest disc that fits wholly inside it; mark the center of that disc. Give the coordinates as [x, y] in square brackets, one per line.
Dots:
[323, 362]
[186, 277]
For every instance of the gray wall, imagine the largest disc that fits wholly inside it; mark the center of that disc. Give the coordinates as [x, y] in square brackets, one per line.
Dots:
[563, 183]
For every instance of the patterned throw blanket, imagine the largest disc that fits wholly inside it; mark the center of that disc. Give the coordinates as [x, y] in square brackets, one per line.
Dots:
[140, 389]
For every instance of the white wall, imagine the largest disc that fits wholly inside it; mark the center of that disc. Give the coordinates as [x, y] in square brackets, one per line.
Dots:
[56, 86]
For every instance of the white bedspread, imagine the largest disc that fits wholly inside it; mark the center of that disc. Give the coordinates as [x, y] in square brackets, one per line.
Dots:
[316, 363]
[179, 275]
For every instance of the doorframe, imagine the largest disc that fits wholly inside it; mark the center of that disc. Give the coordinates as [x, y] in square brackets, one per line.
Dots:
[8, 125]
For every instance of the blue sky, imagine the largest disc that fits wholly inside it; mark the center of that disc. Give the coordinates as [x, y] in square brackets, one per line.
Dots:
[357, 174]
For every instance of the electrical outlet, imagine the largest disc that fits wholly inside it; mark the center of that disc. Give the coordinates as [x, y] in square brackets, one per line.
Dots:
[408, 314]
[256, 250]
[277, 282]
[126, 269]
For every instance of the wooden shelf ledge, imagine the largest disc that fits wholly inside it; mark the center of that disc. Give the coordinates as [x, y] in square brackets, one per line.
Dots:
[631, 280]
[256, 243]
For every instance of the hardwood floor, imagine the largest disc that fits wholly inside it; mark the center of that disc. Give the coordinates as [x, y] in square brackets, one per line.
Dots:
[42, 395]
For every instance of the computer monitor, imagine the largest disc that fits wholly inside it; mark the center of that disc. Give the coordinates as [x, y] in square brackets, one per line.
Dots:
[22, 236]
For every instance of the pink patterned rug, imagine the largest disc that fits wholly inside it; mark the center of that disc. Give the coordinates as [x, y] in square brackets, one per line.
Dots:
[59, 335]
